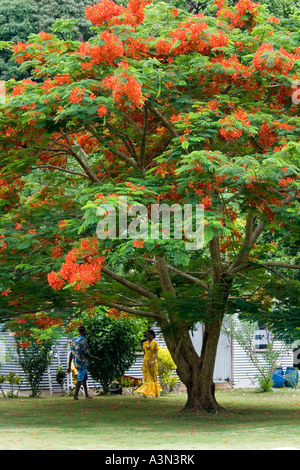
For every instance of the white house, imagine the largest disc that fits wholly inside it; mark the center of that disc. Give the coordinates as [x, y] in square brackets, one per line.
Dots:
[232, 366]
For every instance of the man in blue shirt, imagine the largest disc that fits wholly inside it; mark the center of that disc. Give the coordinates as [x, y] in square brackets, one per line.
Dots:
[80, 353]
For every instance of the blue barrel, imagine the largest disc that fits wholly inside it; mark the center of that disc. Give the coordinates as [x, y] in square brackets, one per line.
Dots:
[291, 377]
[278, 378]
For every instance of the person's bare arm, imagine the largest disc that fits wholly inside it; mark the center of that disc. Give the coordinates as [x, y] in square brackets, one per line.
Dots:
[154, 359]
[69, 363]
[94, 358]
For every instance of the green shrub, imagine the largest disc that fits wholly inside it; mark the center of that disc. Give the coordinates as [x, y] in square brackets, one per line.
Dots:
[14, 380]
[2, 380]
[34, 360]
[116, 340]
[166, 368]
[265, 384]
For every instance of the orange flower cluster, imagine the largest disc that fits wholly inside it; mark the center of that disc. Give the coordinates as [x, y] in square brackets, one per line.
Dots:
[266, 58]
[104, 54]
[21, 326]
[115, 313]
[286, 182]
[228, 130]
[135, 48]
[56, 252]
[193, 37]
[107, 10]
[21, 48]
[43, 321]
[45, 36]
[3, 245]
[102, 110]
[134, 187]
[76, 95]
[274, 20]
[267, 136]
[103, 11]
[244, 7]
[124, 87]
[6, 292]
[9, 192]
[87, 142]
[134, 13]
[57, 81]
[82, 267]
[19, 89]
[138, 243]
[165, 169]
[245, 14]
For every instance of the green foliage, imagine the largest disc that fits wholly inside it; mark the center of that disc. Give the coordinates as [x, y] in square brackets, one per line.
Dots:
[166, 368]
[265, 384]
[14, 381]
[279, 8]
[282, 8]
[34, 361]
[115, 341]
[60, 377]
[19, 19]
[265, 362]
[129, 382]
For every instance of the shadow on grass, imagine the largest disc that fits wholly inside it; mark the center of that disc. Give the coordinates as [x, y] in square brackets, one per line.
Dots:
[125, 422]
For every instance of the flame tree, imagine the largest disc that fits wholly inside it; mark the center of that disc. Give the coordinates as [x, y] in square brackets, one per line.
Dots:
[160, 106]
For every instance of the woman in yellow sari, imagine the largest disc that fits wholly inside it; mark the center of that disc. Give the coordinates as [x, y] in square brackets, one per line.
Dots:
[150, 387]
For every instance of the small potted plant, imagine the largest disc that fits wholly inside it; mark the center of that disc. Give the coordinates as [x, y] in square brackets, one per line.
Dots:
[13, 380]
[60, 378]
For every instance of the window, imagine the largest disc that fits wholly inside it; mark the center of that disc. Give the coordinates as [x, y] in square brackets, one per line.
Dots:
[262, 338]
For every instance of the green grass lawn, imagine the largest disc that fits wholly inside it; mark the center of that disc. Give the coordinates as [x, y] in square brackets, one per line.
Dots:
[250, 421]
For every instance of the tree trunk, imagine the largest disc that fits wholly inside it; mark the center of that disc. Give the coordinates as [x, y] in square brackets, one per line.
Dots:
[200, 386]
[196, 372]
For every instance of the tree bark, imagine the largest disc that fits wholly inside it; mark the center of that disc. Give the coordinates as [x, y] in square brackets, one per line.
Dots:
[194, 371]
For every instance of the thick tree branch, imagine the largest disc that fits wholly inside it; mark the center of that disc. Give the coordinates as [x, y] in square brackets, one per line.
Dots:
[215, 253]
[124, 157]
[114, 151]
[257, 232]
[246, 246]
[270, 264]
[83, 164]
[183, 274]
[166, 123]
[134, 311]
[130, 285]
[53, 167]
[188, 350]
[231, 198]
[125, 139]
[163, 274]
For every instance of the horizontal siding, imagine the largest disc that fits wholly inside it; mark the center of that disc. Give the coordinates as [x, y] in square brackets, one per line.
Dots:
[223, 365]
[244, 369]
[223, 369]
[60, 357]
[232, 363]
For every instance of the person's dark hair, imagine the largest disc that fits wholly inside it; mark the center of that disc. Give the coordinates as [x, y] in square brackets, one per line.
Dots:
[81, 329]
[152, 332]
